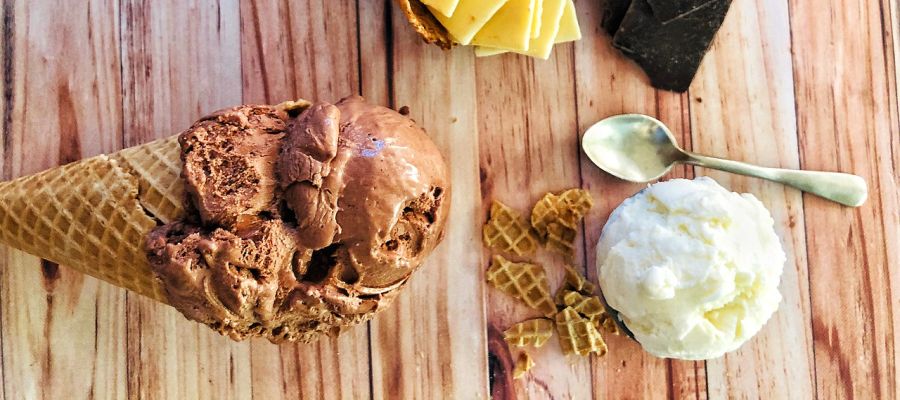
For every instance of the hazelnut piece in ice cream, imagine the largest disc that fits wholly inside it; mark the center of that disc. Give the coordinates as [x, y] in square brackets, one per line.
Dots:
[301, 225]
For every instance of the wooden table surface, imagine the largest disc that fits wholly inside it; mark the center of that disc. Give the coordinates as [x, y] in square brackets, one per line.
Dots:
[789, 83]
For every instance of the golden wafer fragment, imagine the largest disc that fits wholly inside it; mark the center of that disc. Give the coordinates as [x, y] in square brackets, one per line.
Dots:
[523, 281]
[555, 218]
[587, 306]
[577, 282]
[508, 232]
[606, 322]
[560, 299]
[561, 239]
[533, 332]
[523, 364]
[578, 335]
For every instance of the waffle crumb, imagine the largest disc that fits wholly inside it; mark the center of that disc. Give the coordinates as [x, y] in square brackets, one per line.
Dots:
[508, 232]
[578, 335]
[533, 332]
[555, 218]
[523, 364]
[524, 281]
[606, 322]
[575, 281]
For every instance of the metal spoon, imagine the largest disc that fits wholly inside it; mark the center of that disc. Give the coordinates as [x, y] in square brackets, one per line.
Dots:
[639, 148]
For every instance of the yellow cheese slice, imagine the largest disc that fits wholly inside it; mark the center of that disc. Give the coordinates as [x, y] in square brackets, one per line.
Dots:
[445, 7]
[468, 18]
[510, 28]
[551, 16]
[536, 19]
[541, 46]
[488, 51]
[569, 31]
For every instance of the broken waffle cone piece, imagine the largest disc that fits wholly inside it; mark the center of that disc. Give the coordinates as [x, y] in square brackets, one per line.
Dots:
[425, 24]
[523, 281]
[507, 231]
[578, 335]
[560, 298]
[575, 281]
[555, 218]
[561, 239]
[606, 322]
[533, 332]
[587, 306]
[524, 363]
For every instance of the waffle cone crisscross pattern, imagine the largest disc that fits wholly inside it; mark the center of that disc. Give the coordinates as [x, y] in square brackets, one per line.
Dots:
[588, 306]
[533, 332]
[578, 335]
[93, 215]
[577, 282]
[157, 166]
[556, 218]
[508, 232]
[526, 282]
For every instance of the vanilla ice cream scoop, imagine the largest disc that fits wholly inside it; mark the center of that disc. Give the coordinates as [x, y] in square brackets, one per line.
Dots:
[692, 268]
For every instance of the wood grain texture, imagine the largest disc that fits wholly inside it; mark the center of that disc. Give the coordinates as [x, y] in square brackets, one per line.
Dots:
[799, 83]
[529, 139]
[847, 121]
[62, 331]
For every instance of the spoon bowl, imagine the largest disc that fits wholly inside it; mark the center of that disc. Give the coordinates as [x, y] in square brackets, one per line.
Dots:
[632, 147]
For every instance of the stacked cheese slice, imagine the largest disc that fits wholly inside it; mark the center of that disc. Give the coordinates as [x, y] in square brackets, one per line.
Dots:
[529, 27]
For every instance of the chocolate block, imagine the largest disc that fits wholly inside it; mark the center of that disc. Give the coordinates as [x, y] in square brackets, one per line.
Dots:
[667, 10]
[670, 53]
[613, 13]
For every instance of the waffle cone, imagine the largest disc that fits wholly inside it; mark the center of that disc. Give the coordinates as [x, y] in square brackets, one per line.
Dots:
[93, 215]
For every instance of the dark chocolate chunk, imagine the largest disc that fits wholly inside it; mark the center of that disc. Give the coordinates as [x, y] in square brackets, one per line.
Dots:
[667, 10]
[670, 53]
[613, 13]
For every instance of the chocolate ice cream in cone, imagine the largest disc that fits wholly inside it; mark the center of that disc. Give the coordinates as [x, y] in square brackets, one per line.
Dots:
[284, 221]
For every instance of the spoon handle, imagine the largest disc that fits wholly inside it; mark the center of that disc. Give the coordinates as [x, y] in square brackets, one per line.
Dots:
[846, 189]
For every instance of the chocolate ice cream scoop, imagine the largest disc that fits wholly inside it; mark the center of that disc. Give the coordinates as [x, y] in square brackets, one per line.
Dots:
[302, 224]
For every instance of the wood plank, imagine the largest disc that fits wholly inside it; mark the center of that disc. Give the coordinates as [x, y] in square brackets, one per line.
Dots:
[181, 60]
[374, 50]
[529, 146]
[892, 29]
[306, 50]
[608, 84]
[299, 49]
[431, 343]
[847, 121]
[60, 328]
[7, 58]
[742, 107]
